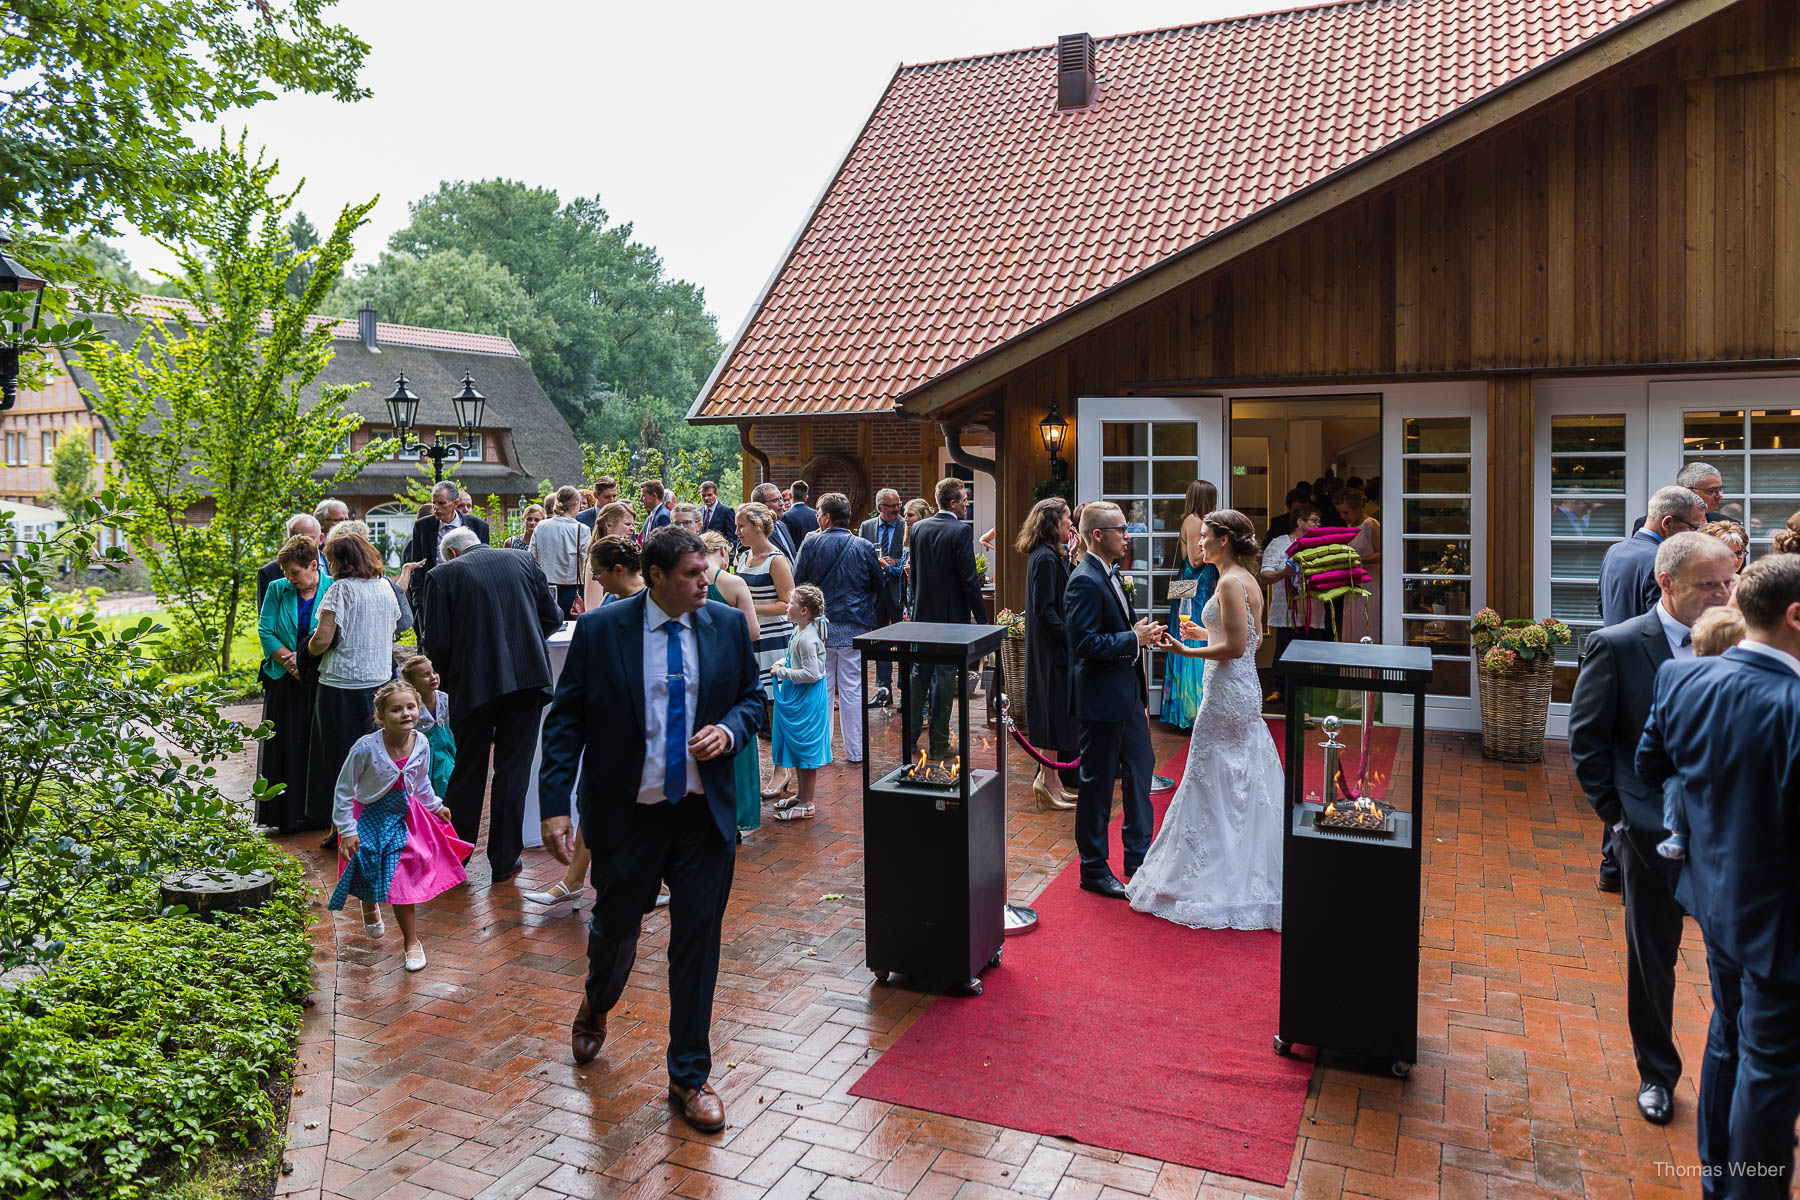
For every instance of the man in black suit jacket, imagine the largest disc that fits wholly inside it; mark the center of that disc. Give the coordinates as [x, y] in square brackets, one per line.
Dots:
[1110, 699]
[945, 589]
[769, 496]
[1704, 480]
[298, 525]
[1728, 727]
[717, 516]
[887, 533]
[666, 806]
[489, 613]
[428, 534]
[800, 517]
[606, 491]
[1606, 718]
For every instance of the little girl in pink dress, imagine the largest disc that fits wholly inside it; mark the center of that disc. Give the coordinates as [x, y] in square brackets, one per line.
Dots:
[394, 844]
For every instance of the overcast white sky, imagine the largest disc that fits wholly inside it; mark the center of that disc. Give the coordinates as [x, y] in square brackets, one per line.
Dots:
[711, 127]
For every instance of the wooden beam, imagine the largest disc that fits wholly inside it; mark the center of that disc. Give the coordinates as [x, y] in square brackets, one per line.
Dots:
[1511, 515]
[1365, 178]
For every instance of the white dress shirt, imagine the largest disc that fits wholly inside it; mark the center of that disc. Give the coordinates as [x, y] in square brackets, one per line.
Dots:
[1775, 652]
[1679, 644]
[656, 700]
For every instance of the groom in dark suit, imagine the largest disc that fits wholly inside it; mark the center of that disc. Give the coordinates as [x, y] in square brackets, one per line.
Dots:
[1728, 726]
[1606, 718]
[662, 688]
[1110, 699]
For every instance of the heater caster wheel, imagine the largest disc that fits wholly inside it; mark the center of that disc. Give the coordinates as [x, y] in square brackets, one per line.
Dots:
[995, 961]
[1283, 1047]
[974, 987]
[1401, 1069]
[881, 976]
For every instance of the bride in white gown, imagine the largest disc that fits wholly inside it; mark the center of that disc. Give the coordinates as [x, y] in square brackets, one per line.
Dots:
[1216, 861]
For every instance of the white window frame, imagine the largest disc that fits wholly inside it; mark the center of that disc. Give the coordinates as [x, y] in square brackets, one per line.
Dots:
[1670, 400]
[1580, 397]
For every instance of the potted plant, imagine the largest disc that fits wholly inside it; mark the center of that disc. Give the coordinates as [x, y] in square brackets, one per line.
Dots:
[1012, 663]
[1515, 664]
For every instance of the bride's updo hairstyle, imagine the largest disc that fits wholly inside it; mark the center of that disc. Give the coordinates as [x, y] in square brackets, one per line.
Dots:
[1235, 528]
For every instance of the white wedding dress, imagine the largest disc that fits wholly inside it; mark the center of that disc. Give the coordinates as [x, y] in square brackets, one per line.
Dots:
[1216, 861]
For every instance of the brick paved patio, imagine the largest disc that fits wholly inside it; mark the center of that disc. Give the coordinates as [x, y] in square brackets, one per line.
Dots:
[457, 1081]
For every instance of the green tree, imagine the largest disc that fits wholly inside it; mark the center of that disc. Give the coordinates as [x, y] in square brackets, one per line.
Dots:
[209, 415]
[72, 473]
[97, 101]
[303, 237]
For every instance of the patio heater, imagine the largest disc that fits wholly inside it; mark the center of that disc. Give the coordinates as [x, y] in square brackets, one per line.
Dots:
[1351, 855]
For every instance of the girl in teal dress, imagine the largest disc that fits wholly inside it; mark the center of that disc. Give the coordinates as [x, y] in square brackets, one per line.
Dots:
[1182, 676]
[434, 720]
[802, 734]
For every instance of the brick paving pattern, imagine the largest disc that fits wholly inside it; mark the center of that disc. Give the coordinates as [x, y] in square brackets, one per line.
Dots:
[457, 1081]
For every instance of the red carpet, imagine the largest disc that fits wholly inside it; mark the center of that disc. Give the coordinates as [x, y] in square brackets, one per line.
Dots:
[1119, 1030]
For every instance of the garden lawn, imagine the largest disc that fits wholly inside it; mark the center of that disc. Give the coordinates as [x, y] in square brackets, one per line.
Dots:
[246, 650]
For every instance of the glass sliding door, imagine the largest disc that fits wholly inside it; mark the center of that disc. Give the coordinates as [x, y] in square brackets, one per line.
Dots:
[1750, 430]
[1141, 453]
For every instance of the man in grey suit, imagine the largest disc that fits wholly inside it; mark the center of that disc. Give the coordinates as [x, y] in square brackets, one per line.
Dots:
[887, 533]
[1606, 720]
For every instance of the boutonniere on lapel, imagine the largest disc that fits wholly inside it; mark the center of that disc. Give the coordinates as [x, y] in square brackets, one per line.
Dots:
[1129, 584]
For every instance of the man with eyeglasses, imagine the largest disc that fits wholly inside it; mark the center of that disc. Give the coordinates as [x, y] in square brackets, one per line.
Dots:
[887, 533]
[1628, 589]
[1705, 481]
[1110, 699]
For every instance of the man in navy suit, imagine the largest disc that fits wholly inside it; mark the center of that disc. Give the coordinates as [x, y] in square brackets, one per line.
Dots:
[1606, 718]
[800, 518]
[1110, 699]
[654, 499]
[769, 496]
[721, 518]
[606, 491]
[1628, 589]
[1729, 727]
[661, 688]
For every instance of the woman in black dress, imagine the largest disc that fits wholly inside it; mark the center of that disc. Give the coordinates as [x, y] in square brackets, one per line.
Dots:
[1049, 723]
[290, 676]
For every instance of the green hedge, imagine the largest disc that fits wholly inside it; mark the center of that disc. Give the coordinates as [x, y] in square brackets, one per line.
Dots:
[145, 1053]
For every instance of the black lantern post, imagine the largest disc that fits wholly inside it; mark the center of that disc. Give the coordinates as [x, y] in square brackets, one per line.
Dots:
[1055, 431]
[403, 410]
[16, 278]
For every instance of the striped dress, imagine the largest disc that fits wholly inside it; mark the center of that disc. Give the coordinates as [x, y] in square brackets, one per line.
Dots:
[771, 644]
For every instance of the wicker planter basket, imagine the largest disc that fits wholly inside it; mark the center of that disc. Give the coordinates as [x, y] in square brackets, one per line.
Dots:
[1012, 666]
[1515, 706]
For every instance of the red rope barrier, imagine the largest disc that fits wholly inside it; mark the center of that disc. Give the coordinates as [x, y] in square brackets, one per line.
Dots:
[1005, 707]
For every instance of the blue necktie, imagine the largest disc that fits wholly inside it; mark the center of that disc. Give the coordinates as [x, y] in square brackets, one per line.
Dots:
[887, 533]
[675, 743]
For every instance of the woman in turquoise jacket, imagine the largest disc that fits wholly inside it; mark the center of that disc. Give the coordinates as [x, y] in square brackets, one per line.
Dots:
[289, 679]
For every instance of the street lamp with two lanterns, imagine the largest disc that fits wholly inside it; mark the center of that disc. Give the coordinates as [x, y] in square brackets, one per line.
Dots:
[403, 410]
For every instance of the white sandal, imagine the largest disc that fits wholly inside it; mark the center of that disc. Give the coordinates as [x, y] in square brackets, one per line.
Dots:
[374, 928]
[556, 893]
[415, 958]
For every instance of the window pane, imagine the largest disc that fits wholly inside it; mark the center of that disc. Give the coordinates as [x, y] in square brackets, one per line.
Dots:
[1769, 516]
[1768, 473]
[1587, 473]
[1442, 637]
[1588, 434]
[1729, 466]
[1449, 677]
[1575, 601]
[1172, 478]
[1168, 515]
[1436, 475]
[1437, 435]
[1569, 653]
[1580, 560]
[1168, 553]
[1125, 478]
[1139, 552]
[1604, 518]
[1137, 516]
[1718, 429]
[1437, 556]
[1775, 429]
[1181, 438]
[1438, 516]
[1444, 598]
[1124, 438]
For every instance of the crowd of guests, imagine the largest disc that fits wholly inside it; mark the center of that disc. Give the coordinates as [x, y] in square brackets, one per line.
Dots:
[1681, 727]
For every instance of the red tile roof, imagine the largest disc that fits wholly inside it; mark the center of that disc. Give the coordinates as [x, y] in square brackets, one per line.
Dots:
[969, 210]
[344, 329]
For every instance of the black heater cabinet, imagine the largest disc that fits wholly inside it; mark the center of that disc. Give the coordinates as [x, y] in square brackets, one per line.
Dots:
[934, 807]
[1350, 855]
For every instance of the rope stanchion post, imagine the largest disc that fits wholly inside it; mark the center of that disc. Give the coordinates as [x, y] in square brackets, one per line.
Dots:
[1017, 918]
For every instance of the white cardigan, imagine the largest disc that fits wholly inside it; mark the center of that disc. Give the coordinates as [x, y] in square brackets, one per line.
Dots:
[369, 774]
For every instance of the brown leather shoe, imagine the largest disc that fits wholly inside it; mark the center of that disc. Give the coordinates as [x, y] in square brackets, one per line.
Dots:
[700, 1107]
[587, 1034]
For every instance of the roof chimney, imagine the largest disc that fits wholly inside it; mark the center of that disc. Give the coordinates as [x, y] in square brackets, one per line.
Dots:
[1074, 71]
[365, 325]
